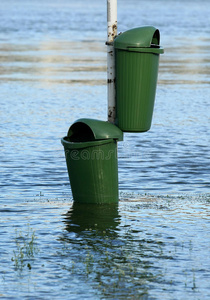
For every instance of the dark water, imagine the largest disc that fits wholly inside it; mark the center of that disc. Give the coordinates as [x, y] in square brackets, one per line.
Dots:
[155, 244]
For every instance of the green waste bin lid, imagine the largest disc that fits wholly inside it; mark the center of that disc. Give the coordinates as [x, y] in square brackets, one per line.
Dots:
[137, 38]
[84, 130]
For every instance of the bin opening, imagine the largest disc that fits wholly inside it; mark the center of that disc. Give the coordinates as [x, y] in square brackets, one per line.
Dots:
[88, 130]
[155, 39]
[80, 132]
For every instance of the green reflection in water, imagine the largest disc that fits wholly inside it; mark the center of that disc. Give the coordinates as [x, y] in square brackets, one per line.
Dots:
[106, 254]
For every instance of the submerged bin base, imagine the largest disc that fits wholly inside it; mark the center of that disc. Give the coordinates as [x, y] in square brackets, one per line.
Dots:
[92, 161]
[93, 170]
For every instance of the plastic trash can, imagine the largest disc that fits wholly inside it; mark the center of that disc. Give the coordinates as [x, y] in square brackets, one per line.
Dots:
[136, 65]
[91, 157]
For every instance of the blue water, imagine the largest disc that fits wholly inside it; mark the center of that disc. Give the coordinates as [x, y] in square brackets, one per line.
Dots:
[154, 245]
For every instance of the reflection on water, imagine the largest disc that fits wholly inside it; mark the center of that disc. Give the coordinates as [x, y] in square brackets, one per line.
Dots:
[186, 63]
[150, 247]
[83, 217]
[54, 61]
[147, 247]
[61, 61]
[107, 254]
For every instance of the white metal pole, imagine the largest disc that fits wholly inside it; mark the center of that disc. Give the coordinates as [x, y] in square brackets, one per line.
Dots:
[111, 33]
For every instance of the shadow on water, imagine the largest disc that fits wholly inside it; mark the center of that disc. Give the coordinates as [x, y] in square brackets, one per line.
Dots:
[106, 253]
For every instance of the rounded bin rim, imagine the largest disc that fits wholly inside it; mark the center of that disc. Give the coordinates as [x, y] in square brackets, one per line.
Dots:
[81, 145]
[151, 50]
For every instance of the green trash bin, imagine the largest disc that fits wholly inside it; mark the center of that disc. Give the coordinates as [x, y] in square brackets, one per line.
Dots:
[136, 65]
[91, 157]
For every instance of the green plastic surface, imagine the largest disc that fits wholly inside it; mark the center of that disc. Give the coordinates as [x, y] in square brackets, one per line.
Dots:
[93, 170]
[136, 67]
[90, 129]
[91, 157]
[141, 37]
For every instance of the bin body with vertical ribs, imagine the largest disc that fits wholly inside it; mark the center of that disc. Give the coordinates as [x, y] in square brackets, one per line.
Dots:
[136, 65]
[91, 158]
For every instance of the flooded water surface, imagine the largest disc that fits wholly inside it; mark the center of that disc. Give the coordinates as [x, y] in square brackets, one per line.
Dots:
[155, 243]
